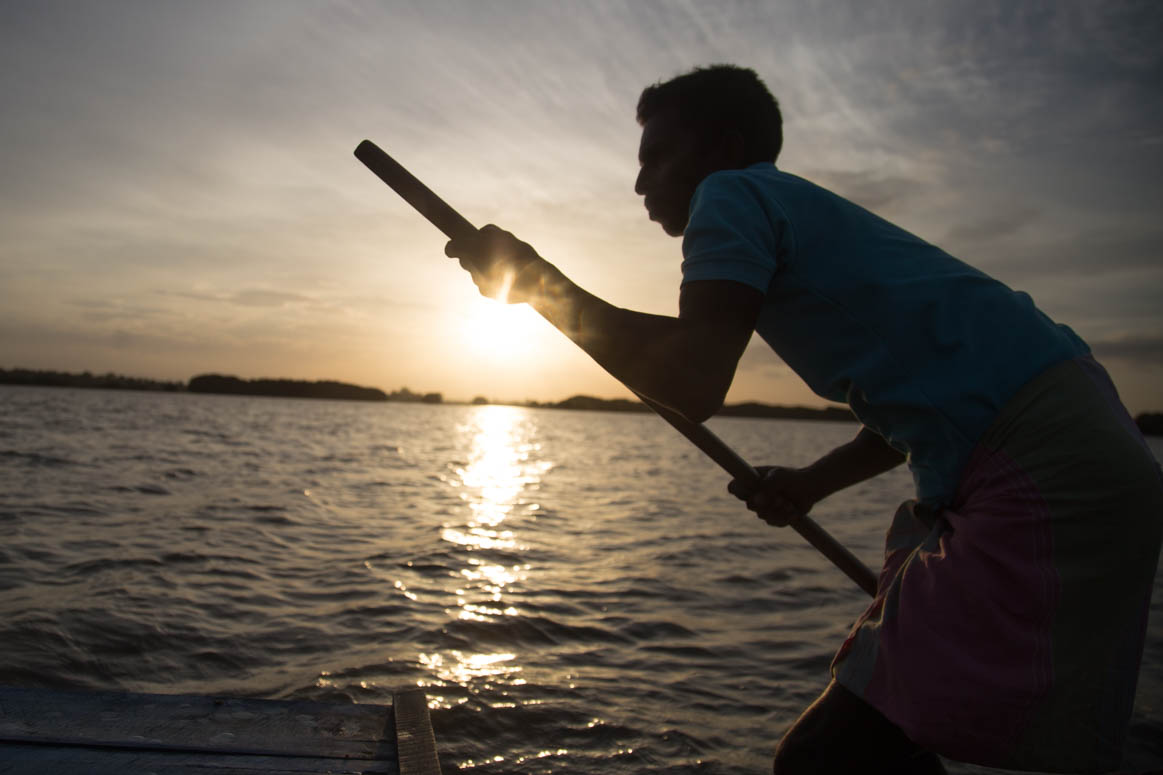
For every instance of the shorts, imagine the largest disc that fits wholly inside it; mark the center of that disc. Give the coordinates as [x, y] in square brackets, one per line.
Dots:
[1008, 628]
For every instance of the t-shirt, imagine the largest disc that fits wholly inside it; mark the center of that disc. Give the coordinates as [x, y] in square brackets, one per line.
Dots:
[924, 348]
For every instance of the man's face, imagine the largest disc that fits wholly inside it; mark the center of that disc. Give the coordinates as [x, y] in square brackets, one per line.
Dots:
[672, 164]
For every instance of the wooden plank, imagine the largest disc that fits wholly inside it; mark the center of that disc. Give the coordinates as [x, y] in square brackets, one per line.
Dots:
[36, 759]
[415, 741]
[196, 723]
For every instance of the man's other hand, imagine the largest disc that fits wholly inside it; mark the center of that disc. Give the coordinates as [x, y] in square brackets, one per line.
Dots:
[783, 494]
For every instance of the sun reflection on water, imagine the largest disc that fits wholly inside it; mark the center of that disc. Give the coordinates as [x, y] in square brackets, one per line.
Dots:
[502, 465]
[497, 472]
[461, 668]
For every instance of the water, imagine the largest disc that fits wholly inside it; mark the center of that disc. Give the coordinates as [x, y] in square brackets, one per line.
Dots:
[575, 591]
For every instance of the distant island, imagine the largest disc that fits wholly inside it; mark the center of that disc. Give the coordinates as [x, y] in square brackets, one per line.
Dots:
[85, 380]
[284, 388]
[1150, 423]
[591, 404]
[297, 388]
[747, 409]
[217, 383]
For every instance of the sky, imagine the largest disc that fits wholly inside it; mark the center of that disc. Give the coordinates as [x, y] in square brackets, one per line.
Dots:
[178, 193]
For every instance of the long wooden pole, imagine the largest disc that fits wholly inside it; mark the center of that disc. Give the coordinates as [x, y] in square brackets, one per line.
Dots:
[456, 226]
[716, 449]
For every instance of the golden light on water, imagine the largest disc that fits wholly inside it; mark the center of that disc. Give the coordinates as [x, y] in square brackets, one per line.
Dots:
[480, 538]
[461, 668]
[502, 463]
[494, 476]
[498, 471]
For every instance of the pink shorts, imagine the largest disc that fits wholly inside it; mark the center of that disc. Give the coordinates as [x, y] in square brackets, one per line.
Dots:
[1008, 628]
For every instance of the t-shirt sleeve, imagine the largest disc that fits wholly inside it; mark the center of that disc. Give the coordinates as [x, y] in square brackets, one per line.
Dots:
[732, 234]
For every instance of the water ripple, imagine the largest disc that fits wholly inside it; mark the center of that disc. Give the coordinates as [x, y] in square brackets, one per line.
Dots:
[574, 591]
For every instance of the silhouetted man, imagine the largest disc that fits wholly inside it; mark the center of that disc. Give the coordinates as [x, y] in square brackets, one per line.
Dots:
[1010, 618]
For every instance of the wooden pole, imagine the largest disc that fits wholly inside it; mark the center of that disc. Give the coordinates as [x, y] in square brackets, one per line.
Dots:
[716, 449]
[455, 226]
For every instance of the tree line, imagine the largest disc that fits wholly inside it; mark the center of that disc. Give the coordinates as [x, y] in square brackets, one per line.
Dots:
[1150, 423]
[216, 383]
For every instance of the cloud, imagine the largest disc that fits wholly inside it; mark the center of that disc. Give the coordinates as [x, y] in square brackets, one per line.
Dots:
[205, 149]
[870, 188]
[993, 226]
[98, 311]
[250, 297]
[258, 297]
[1143, 349]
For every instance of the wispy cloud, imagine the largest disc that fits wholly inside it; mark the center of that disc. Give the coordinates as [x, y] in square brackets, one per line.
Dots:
[990, 227]
[204, 150]
[1145, 349]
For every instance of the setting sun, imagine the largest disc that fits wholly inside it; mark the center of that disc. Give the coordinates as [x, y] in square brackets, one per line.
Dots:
[501, 332]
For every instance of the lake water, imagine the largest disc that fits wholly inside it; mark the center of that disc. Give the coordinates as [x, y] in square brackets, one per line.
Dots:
[575, 590]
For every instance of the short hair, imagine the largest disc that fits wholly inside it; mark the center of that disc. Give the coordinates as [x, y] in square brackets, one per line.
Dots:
[720, 98]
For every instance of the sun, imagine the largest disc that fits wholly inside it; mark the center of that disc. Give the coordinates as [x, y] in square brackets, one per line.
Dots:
[501, 332]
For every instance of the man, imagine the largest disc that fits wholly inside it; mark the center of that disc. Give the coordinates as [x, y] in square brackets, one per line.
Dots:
[1010, 618]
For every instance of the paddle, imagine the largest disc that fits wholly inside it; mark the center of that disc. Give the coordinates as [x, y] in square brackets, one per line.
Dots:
[455, 226]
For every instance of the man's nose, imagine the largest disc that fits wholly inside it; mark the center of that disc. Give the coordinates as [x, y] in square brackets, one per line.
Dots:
[639, 183]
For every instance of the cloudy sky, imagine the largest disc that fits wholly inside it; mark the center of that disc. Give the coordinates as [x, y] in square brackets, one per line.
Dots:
[178, 194]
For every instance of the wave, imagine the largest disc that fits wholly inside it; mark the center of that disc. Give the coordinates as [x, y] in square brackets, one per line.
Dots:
[636, 622]
[36, 459]
[520, 630]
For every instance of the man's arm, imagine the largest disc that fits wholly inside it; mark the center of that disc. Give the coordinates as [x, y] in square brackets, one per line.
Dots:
[685, 362]
[864, 457]
[786, 493]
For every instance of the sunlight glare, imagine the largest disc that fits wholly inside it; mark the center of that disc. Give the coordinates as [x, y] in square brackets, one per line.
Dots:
[499, 467]
[501, 332]
[502, 464]
[461, 668]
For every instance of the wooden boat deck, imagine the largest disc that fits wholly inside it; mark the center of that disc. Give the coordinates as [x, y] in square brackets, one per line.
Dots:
[108, 733]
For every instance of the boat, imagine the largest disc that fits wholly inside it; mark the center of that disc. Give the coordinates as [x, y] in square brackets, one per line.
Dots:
[107, 733]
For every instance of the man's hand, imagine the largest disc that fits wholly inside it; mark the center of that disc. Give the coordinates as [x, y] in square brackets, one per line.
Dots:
[502, 266]
[786, 493]
[783, 495]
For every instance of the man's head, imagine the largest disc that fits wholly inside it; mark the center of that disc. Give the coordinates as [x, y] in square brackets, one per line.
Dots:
[712, 118]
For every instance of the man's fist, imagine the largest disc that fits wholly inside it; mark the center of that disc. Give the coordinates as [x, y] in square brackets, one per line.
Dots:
[502, 266]
[783, 495]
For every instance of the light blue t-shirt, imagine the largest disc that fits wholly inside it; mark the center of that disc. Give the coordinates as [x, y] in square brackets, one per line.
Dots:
[924, 348]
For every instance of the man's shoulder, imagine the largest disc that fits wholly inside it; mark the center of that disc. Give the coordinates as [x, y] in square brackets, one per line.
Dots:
[761, 171]
[762, 189]
[761, 179]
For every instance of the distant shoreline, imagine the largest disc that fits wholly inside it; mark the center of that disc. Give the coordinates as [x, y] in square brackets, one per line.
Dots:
[746, 409]
[219, 384]
[216, 384]
[1150, 423]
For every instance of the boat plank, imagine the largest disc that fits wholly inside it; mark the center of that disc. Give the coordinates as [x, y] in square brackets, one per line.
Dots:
[194, 723]
[35, 759]
[416, 743]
